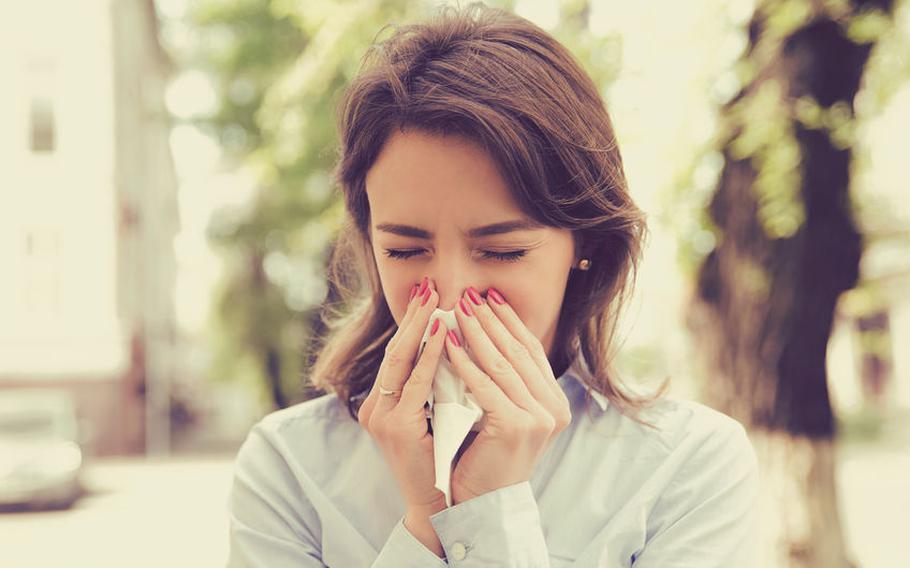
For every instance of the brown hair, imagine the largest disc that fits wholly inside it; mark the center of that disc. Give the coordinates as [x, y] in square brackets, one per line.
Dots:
[510, 87]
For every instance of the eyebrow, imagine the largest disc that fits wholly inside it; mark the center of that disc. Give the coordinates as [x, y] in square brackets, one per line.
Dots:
[483, 231]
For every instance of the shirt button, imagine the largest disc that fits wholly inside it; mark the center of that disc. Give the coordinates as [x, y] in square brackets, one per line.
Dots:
[458, 551]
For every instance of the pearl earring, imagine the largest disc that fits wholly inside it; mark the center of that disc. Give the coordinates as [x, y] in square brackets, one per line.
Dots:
[584, 264]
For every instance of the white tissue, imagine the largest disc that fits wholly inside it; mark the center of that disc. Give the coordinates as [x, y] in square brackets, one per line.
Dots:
[453, 409]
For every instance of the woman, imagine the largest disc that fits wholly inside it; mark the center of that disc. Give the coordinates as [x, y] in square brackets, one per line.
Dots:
[481, 174]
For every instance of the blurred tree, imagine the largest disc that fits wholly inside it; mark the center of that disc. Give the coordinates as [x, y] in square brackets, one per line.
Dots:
[247, 46]
[787, 248]
[279, 66]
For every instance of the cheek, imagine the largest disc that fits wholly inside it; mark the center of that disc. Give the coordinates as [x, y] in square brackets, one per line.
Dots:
[537, 302]
[526, 302]
[396, 290]
[397, 298]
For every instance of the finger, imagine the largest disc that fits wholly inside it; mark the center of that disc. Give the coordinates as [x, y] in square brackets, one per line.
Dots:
[490, 359]
[398, 363]
[368, 405]
[518, 355]
[489, 396]
[413, 305]
[419, 385]
[509, 318]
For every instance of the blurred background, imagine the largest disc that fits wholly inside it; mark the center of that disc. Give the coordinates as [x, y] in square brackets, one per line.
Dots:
[166, 214]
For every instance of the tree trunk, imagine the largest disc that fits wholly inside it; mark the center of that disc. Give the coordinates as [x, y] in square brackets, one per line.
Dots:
[266, 350]
[786, 249]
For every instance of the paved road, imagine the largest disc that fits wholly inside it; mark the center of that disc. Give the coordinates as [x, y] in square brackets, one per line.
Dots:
[874, 500]
[140, 514]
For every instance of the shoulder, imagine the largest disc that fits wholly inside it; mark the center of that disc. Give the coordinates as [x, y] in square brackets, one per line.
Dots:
[681, 420]
[321, 409]
[688, 436]
[697, 474]
[702, 446]
[675, 421]
[311, 436]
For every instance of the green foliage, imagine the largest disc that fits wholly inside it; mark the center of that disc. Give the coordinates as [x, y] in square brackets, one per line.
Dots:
[759, 127]
[754, 279]
[688, 213]
[868, 26]
[861, 426]
[279, 66]
[766, 138]
[246, 47]
[865, 299]
[786, 16]
[601, 57]
[837, 120]
[889, 64]
[886, 74]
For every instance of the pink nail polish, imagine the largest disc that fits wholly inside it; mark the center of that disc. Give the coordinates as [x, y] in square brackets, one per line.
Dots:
[465, 308]
[497, 297]
[475, 297]
[423, 286]
[454, 339]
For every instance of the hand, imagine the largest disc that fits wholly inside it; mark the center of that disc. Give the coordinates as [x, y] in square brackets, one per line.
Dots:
[524, 407]
[399, 425]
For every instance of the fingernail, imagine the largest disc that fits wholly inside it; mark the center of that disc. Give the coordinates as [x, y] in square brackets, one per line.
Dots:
[435, 327]
[423, 286]
[497, 297]
[453, 338]
[426, 297]
[413, 292]
[475, 297]
[464, 307]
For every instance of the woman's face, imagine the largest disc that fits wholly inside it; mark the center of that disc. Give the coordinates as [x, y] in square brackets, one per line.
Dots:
[430, 200]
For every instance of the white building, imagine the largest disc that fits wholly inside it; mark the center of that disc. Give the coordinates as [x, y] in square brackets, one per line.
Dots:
[87, 213]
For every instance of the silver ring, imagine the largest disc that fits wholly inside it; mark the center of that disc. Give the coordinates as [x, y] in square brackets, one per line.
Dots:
[386, 392]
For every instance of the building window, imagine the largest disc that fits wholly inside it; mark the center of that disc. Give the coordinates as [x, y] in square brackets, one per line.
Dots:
[42, 121]
[42, 124]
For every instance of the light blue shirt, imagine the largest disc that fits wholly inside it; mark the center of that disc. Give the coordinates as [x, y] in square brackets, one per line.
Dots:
[311, 488]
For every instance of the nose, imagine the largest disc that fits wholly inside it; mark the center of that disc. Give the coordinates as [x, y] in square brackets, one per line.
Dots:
[452, 278]
[449, 294]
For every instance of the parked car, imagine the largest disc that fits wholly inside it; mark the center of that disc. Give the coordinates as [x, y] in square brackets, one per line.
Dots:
[41, 456]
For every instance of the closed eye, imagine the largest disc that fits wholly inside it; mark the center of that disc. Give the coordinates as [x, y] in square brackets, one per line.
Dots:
[509, 256]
